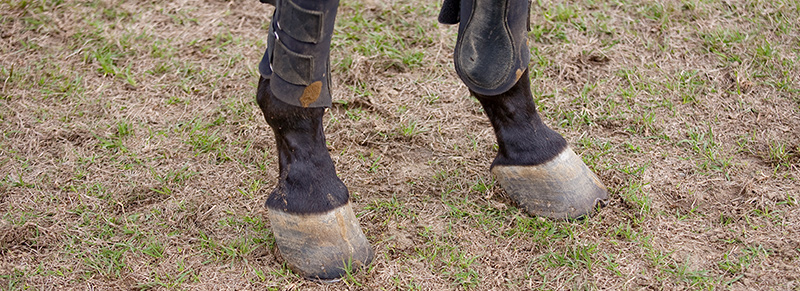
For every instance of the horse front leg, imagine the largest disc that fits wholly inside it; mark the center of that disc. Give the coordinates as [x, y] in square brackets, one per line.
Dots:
[315, 229]
[534, 164]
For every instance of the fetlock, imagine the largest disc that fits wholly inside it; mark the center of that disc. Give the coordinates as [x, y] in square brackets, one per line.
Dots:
[522, 137]
[534, 164]
[307, 180]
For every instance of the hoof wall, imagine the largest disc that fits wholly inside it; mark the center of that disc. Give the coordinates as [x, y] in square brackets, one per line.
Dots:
[563, 188]
[322, 247]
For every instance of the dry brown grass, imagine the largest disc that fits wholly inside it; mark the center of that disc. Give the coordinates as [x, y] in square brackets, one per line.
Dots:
[133, 155]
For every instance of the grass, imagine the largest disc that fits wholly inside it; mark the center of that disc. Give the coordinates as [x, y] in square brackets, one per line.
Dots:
[132, 154]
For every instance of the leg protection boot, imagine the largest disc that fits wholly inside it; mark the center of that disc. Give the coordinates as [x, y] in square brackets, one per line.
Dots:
[318, 237]
[492, 50]
[297, 59]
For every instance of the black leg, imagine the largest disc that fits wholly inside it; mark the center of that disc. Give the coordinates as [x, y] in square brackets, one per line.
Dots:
[308, 183]
[522, 137]
[315, 229]
[534, 164]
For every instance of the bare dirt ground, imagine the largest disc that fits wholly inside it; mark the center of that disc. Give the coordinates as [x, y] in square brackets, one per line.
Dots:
[133, 156]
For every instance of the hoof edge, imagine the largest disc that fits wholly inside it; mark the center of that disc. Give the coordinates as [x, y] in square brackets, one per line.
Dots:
[322, 247]
[563, 188]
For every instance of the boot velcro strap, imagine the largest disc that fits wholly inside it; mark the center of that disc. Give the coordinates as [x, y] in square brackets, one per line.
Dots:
[300, 23]
[292, 67]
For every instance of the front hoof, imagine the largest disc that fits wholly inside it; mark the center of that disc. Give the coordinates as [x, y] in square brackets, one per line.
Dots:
[321, 247]
[563, 188]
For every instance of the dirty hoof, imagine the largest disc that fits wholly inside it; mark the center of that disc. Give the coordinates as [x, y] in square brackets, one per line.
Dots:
[563, 188]
[321, 246]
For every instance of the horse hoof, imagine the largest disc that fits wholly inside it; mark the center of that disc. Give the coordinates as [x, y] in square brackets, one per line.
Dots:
[563, 188]
[323, 247]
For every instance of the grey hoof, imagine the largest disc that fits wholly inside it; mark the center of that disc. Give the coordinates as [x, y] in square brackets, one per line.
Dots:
[563, 188]
[322, 247]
